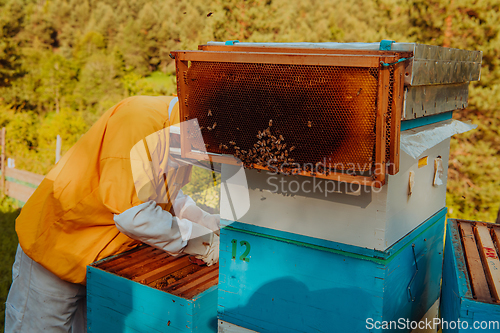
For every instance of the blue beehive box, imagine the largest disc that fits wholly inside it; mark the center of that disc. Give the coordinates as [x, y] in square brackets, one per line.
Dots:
[147, 290]
[274, 281]
[469, 302]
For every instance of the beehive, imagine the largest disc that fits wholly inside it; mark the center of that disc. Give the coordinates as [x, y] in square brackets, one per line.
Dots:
[471, 280]
[365, 217]
[147, 289]
[335, 112]
[274, 283]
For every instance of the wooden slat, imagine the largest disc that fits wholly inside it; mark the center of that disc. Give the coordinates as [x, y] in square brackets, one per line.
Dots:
[181, 68]
[474, 265]
[496, 235]
[24, 176]
[132, 259]
[136, 266]
[489, 256]
[382, 106]
[282, 58]
[121, 258]
[18, 191]
[162, 271]
[194, 283]
[397, 109]
[201, 288]
[190, 278]
[273, 49]
[163, 260]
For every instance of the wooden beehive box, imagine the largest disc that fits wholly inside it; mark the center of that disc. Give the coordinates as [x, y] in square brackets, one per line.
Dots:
[148, 290]
[471, 278]
[269, 282]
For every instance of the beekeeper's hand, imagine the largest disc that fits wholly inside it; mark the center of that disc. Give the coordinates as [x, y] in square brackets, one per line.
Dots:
[204, 245]
[212, 255]
[186, 208]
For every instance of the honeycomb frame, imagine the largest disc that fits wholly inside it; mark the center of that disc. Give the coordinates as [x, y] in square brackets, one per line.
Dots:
[229, 75]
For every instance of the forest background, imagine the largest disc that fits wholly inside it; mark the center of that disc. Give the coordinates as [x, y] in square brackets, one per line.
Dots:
[65, 62]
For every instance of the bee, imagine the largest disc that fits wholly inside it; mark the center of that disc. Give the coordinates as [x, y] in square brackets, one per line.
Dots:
[359, 91]
[237, 148]
[281, 137]
[220, 145]
[207, 145]
[270, 123]
[224, 146]
[209, 14]
[232, 143]
[292, 148]
[209, 112]
[309, 123]
[215, 124]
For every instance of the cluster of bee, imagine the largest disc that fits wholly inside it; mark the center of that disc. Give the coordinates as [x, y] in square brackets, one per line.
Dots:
[270, 149]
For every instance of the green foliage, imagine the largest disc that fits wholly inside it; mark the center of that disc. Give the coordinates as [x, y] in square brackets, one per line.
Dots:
[8, 245]
[204, 189]
[474, 174]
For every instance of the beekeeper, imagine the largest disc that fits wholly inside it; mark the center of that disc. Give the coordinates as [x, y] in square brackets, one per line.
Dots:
[116, 187]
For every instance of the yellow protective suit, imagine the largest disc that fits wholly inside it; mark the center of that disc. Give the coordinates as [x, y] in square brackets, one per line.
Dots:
[68, 222]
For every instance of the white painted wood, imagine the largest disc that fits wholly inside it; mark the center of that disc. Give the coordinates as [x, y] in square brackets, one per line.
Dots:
[371, 218]
[429, 316]
[225, 327]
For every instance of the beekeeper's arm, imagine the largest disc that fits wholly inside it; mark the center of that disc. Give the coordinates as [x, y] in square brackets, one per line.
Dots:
[152, 225]
[186, 208]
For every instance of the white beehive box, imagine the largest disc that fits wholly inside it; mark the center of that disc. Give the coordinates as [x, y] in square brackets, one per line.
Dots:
[373, 218]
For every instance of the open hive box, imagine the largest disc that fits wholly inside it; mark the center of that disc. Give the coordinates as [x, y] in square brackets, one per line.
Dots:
[321, 111]
[471, 276]
[148, 289]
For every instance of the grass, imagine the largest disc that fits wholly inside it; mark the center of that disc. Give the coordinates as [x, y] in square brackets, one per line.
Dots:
[8, 244]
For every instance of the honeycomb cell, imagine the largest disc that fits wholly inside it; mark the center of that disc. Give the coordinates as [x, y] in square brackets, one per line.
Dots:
[270, 114]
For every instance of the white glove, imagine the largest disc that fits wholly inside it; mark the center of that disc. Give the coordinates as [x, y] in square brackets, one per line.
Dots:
[212, 255]
[185, 208]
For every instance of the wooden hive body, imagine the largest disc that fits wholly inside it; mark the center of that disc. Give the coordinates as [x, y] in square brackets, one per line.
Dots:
[284, 285]
[471, 277]
[147, 290]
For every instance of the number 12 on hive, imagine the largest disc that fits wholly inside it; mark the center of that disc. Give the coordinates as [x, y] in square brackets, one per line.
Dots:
[244, 256]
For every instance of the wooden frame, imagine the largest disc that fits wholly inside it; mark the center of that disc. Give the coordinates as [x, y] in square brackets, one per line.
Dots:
[477, 277]
[302, 56]
[310, 59]
[397, 111]
[274, 49]
[481, 242]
